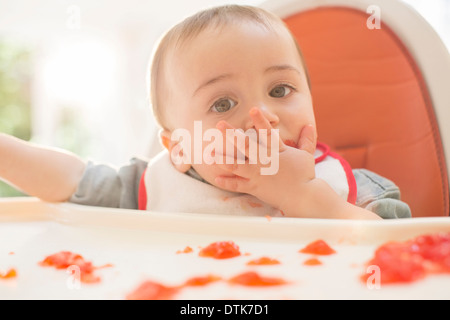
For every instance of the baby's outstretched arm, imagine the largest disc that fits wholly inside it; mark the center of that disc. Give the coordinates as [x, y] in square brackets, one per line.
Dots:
[294, 189]
[47, 173]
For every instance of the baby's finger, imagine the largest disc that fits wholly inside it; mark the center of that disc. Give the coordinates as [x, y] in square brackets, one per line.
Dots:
[262, 125]
[259, 120]
[308, 139]
[244, 170]
[232, 183]
[236, 139]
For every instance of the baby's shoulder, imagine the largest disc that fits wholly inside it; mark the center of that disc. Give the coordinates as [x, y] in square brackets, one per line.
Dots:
[379, 194]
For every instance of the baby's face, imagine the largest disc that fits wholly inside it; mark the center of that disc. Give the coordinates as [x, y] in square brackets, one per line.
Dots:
[223, 73]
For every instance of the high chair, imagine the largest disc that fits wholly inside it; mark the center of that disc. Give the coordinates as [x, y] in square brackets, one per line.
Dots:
[380, 82]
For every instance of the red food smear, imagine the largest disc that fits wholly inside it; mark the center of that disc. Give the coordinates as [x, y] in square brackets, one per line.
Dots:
[185, 250]
[201, 281]
[11, 273]
[291, 143]
[402, 262]
[252, 278]
[254, 204]
[65, 259]
[220, 250]
[319, 247]
[107, 265]
[62, 260]
[312, 262]
[150, 290]
[263, 261]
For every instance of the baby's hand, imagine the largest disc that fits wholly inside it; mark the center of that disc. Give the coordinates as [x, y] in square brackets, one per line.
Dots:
[295, 165]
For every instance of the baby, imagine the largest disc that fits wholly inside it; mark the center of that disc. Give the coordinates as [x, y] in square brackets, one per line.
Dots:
[231, 69]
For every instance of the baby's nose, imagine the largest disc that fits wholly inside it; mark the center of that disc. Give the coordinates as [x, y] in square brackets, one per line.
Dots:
[269, 114]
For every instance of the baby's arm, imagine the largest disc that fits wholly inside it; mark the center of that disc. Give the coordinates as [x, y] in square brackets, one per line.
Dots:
[47, 173]
[319, 200]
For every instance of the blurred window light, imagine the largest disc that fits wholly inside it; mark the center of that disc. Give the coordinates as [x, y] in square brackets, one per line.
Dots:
[15, 101]
[80, 71]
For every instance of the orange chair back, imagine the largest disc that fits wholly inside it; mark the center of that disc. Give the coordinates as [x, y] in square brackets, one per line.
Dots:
[372, 105]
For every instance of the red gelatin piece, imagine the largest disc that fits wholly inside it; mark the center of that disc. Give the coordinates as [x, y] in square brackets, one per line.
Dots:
[149, 290]
[312, 262]
[397, 263]
[434, 248]
[201, 281]
[185, 250]
[89, 277]
[62, 260]
[66, 259]
[254, 279]
[318, 247]
[11, 273]
[402, 262]
[263, 261]
[220, 250]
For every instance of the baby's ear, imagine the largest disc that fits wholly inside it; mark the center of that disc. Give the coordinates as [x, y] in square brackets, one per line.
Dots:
[165, 138]
[167, 142]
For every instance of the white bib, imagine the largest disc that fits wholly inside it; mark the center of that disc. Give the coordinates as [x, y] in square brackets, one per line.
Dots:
[165, 189]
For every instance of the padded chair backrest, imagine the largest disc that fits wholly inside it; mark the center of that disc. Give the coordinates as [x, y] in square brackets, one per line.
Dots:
[371, 103]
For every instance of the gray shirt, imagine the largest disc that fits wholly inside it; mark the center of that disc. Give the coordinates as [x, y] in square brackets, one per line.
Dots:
[106, 186]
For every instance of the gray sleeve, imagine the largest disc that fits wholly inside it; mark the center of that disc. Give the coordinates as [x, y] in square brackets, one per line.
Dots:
[379, 195]
[106, 186]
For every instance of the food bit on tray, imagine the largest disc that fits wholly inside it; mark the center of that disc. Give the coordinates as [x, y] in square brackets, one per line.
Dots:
[408, 261]
[149, 290]
[252, 279]
[201, 281]
[318, 247]
[11, 273]
[220, 250]
[66, 259]
[312, 262]
[185, 250]
[263, 261]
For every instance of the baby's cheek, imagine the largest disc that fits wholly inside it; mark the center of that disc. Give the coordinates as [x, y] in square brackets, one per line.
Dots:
[206, 171]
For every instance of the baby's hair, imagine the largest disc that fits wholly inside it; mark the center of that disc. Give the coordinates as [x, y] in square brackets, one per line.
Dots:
[191, 27]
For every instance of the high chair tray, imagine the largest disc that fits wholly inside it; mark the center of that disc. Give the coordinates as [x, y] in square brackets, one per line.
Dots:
[132, 247]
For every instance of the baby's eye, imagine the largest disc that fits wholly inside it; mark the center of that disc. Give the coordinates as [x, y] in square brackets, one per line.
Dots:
[223, 105]
[280, 91]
